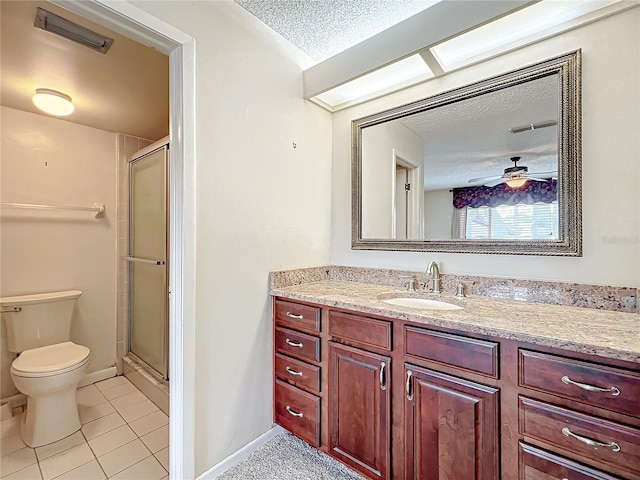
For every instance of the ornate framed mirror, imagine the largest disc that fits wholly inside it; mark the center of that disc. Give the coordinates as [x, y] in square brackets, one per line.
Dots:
[492, 167]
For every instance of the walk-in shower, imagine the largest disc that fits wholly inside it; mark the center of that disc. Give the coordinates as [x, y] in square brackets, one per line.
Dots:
[148, 269]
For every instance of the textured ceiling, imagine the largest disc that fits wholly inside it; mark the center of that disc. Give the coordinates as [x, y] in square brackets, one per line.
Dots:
[125, 90]
[471, 138]
[324, 28]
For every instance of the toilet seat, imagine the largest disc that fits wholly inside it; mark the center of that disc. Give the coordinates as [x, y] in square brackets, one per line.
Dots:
[50, 360]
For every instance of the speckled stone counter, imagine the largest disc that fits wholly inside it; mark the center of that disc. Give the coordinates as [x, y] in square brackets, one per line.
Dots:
[605, 333]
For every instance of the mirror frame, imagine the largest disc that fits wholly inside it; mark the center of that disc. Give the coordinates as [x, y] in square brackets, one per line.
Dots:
[569, 243]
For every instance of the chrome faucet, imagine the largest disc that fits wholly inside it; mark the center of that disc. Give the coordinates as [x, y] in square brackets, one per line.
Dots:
[434, 270]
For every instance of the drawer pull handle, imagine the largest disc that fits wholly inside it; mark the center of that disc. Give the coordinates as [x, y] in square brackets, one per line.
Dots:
[612, 445]
[614, 390]
[292, 372]
[293, 315]
[383, 377]
[294, 344]
[408, 386]
[293, 412]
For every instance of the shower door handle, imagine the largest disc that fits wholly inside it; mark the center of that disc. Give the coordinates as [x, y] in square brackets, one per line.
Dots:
[145, 260]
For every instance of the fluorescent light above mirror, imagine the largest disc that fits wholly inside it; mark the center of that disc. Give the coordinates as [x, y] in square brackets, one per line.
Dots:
[512, 31]
[394, 76]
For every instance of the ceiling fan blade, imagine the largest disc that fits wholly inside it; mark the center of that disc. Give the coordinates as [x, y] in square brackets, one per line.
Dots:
[484, 179]
[533, 126]
[495, 182]
[544, 174]
[538, 179]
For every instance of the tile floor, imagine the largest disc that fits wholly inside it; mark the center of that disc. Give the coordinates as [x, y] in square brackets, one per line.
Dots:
[123, 436]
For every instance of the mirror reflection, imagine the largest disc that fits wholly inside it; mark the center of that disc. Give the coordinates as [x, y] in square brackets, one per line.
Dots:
[482, 168]
[490, 164]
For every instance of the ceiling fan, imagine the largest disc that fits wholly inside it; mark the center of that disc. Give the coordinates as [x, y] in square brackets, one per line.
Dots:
[515, 176]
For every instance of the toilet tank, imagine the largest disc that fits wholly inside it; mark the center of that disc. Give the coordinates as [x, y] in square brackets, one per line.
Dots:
[43, 319]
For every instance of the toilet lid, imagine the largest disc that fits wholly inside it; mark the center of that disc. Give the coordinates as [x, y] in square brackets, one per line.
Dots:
[51, 359]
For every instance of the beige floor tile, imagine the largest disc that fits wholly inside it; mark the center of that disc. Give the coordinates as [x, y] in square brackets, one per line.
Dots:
[89, 396]
[128, 400]
[148, 423]
[102, 425]
[66, 461]
[123, 457]
[11, 444]
[111, 382]
[119, 390]
[17, 460]
[163, 458]
[88, 471]
[60, 446]
[133, 412]
[111, 440]
[157, 439]
[147, 469]
[10, 427]
[32, 472]
[88, 414]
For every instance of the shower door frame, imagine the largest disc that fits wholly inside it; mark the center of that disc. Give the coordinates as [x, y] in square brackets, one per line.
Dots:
[141, 155]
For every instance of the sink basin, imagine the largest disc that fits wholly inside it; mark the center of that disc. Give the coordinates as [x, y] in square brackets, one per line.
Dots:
[423, 303]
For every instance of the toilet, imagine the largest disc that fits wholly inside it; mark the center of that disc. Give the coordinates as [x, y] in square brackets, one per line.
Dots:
[49, 366]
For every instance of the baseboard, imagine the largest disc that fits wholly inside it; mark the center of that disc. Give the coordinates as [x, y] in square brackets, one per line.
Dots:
[235, 458]
[94, 377]
[17, 400]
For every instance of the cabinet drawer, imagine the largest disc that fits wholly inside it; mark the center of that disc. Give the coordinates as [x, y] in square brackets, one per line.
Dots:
[298, 412]
[297, 344]
[536, 464]
[300, 373]
[615, 389]
[474, 355]
[618, 446]
[360, 330]
[295, 315]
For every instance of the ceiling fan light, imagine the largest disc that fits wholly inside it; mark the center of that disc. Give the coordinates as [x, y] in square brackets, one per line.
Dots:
[53, 102]
[516, 182]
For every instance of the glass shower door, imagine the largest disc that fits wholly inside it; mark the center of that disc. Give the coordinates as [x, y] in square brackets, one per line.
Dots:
[148, 285]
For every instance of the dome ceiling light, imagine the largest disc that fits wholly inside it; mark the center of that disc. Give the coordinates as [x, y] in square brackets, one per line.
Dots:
[53, 102]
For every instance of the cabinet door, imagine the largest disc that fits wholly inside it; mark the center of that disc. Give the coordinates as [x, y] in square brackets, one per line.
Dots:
[451, 427]
[359, 409]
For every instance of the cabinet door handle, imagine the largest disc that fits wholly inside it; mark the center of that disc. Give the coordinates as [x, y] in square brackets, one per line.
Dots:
[594, 443]
[293, 412]
[292, 372]
[293, 315]
[294, 344]
[408, 385]
[383, 377]
[613, 390]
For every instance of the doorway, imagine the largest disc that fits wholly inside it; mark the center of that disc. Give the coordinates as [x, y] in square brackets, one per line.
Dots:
[143, 27]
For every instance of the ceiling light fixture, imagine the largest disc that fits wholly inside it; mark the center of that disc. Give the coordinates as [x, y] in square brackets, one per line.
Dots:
[516, 182]
[53, 102]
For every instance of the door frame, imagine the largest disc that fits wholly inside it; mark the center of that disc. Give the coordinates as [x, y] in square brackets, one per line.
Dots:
[131, 21]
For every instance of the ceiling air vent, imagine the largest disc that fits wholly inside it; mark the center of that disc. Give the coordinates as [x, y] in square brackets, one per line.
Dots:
[72, 31]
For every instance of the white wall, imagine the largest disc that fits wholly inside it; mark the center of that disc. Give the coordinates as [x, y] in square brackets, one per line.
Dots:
[610, 166]
[262, 205]
[378, 144]
[45, 160]
[438, 212]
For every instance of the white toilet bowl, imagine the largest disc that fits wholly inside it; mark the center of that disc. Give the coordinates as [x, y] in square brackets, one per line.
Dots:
[49, 377]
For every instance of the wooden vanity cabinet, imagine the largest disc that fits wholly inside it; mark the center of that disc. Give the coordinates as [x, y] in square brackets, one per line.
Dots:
[395, 399]
[451, 427]
[359, 409]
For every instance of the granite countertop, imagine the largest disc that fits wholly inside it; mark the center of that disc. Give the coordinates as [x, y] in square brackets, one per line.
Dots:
[599, 332]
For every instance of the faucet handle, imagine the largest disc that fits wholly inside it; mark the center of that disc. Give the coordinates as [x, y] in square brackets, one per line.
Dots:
[460, 288]
[411, 285]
